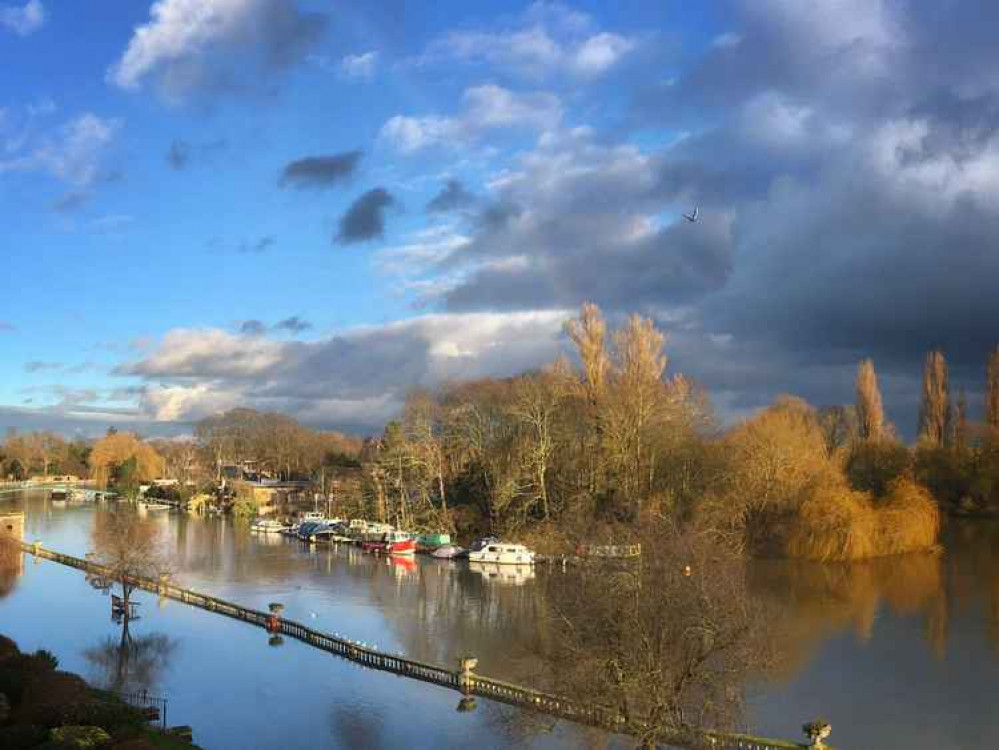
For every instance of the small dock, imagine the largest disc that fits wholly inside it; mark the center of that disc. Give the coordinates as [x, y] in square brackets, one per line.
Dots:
[464, 679]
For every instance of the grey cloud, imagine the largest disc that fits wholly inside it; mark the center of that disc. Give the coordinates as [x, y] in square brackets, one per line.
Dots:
[253, 328]
[320, 171]
[365, 219]
[452, 197]
[351, 380]
[845, 173]
[239, 49]
[294, 325]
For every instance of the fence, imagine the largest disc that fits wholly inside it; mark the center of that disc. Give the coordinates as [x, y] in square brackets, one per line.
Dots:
[465, 680]
[155, 706]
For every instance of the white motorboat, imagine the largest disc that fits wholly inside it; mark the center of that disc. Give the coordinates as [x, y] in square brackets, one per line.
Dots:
[502, 553]
[268, 526]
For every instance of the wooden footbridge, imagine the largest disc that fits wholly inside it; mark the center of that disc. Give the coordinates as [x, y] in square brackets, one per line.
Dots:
[464, 680]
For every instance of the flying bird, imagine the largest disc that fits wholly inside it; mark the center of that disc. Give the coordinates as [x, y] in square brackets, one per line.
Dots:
[692, 218]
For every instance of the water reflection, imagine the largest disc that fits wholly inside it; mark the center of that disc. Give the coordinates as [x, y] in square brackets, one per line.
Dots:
[437, 610]
[514, 575]
[129, 663]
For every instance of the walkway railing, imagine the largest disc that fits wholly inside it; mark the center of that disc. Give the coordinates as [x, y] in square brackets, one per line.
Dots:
[465, 680]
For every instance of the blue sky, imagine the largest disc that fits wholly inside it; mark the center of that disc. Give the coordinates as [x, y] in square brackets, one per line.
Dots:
[210, 203]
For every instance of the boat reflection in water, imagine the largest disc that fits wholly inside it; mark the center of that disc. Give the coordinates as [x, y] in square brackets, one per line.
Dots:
[503, 573]
[402, 565]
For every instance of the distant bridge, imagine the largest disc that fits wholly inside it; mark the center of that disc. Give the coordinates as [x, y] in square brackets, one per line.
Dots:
[464, 680]
[9, 488]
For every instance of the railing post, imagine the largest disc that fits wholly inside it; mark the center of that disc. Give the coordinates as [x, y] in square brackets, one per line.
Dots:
[466, 678]
[466, 683]
[36, 548]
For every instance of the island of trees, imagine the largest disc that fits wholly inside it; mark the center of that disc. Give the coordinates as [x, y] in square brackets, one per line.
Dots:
[598, 449]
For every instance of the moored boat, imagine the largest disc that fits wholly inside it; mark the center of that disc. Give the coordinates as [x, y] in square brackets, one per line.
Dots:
[502, 553]
[268, 526]
[393, 543]
[430, 542]
[448, 551]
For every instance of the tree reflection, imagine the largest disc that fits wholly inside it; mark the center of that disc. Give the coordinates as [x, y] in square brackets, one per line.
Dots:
[355, 726]
[669, 642]
[129, 664]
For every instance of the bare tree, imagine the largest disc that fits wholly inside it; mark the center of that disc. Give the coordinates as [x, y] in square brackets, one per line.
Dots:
[934, 410]
[870, 412]
[130, 548]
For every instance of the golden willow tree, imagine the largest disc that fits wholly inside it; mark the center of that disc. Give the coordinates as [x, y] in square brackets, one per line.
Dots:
[992, 390]
[934, 410]
[870, 411]
[124, 452]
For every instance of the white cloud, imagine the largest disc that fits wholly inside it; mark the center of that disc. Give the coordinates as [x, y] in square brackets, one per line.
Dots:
[187, 43]
[23, 20]
[358, 377]
[727, 40]
[549, 39]
[599, 53]
[360, 67]
[484, 108]
[71, 153]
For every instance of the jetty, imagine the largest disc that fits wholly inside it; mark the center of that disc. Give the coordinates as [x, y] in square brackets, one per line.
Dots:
[464, 680]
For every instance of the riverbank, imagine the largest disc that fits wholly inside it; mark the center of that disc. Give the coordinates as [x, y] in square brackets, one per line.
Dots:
[43, 707]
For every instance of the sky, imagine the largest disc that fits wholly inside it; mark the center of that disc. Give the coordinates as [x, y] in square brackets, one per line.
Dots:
[312, 207]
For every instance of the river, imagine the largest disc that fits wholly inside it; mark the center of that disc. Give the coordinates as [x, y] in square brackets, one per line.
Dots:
[896, 653]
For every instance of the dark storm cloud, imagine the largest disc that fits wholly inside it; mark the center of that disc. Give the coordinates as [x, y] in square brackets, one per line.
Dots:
[365, 219]
[320, 171]
[294, 325]
[452, 197]
[179, 154]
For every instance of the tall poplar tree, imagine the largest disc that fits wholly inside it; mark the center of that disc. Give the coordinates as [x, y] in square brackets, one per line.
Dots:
[992, 390]
[934, 410]
[870, 412]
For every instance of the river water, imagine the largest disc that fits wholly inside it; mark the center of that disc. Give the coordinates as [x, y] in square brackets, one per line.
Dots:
[901, 653]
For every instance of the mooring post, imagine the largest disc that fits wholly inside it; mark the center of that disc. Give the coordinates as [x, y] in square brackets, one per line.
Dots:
[274, 621]
[816, 731]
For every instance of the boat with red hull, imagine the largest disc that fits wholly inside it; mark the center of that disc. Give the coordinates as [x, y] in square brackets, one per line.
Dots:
[393, 543]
